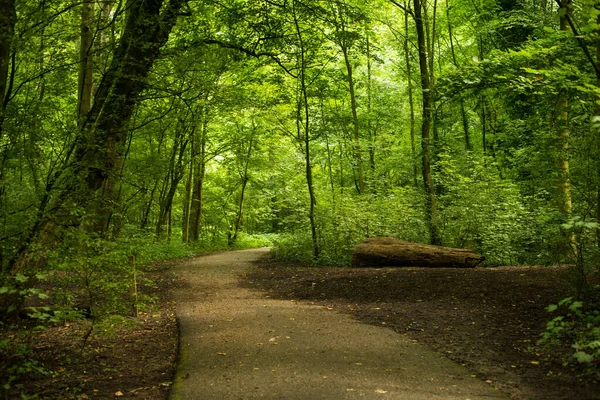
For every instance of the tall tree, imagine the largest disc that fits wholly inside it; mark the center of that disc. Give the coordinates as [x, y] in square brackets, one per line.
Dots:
[94, 161]
[431, 200]
[303, 120]
[561, 118]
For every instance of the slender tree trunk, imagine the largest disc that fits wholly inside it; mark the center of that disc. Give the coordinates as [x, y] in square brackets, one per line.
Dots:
[185, 226]
[200, 169]
[86, 60]
[148, 209]
[597, 107]
[370, 131]
[463, 112]
[410, 96]
[562, 122]
[355, 127]
[303, 104]
[431, 201]
[483, 124]
[8, 17]
[172, 180]
[244, 176]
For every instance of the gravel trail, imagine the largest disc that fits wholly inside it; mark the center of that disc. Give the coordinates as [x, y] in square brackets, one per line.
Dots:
[237, 344]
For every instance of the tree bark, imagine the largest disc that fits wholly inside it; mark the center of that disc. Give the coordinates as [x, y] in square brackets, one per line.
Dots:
[93, 164]
[387, 251]
[200, 170]
[303, 122]
[463, 112]
[564, 175]
[86, 60]
[172, 180]
[100, 146]
[431, 201]
[411, 102]
[245, 178]
[342, 40]
[8, 17]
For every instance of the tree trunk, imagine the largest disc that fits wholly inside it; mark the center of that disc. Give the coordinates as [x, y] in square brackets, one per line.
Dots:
[431, 201]
[100, 146]
[463, 112]
[86, 60]
[244, 176]
[372, 133]
[387, 251]
[303, 104]
[146, 213]
[344, 45]
[95, 160]
[597, 112]
[8, 17]
[185, 225]
[564, 175]
[411, 102]
[172, 180]
[200, 170]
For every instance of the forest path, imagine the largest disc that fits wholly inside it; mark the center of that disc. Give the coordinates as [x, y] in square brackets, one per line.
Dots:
[236, 344]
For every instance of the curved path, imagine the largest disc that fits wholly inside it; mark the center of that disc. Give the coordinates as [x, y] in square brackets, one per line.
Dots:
[236, 344]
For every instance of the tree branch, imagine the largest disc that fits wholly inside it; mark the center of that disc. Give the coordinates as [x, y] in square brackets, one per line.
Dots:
[252, 53]
[580, 41]
[401, 6]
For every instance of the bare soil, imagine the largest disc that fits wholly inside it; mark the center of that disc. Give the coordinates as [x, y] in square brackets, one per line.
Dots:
[488, 319]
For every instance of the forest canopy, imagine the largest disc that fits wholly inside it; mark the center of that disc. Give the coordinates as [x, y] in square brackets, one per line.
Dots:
[130, 125]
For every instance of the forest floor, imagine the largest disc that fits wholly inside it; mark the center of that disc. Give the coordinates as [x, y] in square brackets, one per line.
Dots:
[488, 319]
[131, 360]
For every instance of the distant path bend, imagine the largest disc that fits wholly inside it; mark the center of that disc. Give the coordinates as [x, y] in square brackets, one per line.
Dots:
[236, 344]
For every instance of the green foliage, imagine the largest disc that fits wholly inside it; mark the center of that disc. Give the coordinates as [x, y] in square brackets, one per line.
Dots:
[397, 213]
[482, 211]
[19, 360]
[249, 241]
[577, 326]
[584, 273]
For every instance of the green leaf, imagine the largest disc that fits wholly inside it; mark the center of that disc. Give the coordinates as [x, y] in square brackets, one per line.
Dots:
[583, 357]
[575, 305]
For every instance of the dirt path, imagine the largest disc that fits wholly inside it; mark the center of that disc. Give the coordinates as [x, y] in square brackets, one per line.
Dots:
[236, 344]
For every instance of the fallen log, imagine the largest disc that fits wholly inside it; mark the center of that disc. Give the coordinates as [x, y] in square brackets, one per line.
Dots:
[387, 251]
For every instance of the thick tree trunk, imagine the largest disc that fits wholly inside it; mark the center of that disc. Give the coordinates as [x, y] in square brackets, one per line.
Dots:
[95, 160]
[100, 148]
[387, 251]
